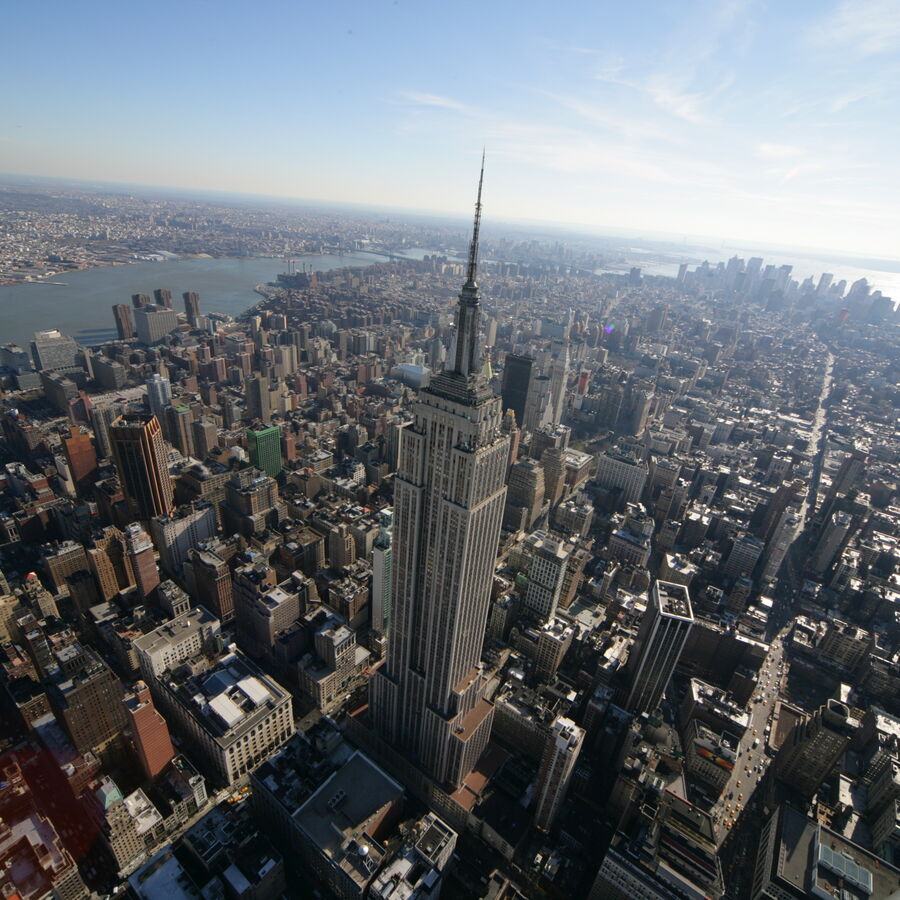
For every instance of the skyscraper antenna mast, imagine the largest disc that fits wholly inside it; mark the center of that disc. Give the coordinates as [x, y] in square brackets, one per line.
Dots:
[473, 247]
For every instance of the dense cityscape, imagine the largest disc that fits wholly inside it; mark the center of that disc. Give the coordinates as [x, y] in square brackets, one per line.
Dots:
[50, 229]
[483, 576]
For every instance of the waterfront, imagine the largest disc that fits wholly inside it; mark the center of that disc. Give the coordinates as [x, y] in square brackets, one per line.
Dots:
[82, 306]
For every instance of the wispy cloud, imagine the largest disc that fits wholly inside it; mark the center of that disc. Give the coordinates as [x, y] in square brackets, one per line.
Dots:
[666, 90]
[668, 96]
[418, 98]
[628, 126]
[867, 27]
[778, 151]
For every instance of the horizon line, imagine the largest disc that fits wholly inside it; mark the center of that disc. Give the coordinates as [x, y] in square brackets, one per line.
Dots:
[595, 230]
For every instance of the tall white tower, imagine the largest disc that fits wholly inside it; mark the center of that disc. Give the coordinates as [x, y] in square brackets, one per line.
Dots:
[427, 700]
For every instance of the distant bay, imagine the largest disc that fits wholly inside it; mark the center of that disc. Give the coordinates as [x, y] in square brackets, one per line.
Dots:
[82, 306]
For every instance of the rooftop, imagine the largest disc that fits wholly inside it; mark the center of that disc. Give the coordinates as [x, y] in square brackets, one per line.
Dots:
[176, 630]
[817, 860]
[674, 600]
[343, 817]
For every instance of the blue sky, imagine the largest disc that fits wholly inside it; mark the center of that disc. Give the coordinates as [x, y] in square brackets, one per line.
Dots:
[776, 122]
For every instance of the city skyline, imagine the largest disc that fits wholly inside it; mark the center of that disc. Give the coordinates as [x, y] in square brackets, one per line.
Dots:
[728, 119]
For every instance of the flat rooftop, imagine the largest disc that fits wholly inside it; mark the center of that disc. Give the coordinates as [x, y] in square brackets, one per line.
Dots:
[816, 860]
[176, 630]
[674, 600]
[343, 817]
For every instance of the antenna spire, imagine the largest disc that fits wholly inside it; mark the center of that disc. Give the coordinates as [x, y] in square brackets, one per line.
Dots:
[473, 247]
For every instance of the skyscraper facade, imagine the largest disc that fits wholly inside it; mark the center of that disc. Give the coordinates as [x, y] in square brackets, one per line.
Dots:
[814, 745]
[661, 637]
[186, 527]
[140, 454]
[256, 398]
[264, 446]
[206, 436]
[178, 419]
[159, 394]
[561, 752]
[163, 297]
[427, 701]
[149, 732]
[559, 375]
[81, 456]
[546, 574]
[53, 350]
[101, 418]
[124, 321]
[143, 560]
[382, 567]
[191, 306]
[153, 323]
[517, 372]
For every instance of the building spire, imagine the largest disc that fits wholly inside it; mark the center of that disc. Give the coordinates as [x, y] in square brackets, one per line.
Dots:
[465, 353]
[473, 247]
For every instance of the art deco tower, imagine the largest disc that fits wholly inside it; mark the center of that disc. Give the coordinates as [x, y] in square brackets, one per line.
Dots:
[448, 502]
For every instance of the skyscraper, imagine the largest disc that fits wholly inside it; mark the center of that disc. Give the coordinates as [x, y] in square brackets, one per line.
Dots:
[140, 454]
[256, 398]
[186, 527]
[159, 394]
[537, 403]
[264, 445]
[124, 321]
[101, 418]
[427, 701]
[546, 574]
[149, 732]
[89, 700]
[661, 637]
[81, 456]
[517, 372]
[178, 419]
[143, 560]
[53, 350]
[209, 580]
[163, 297]
[382, 566]
[205, 436]
[560, 755]
[814, 745]
[559, 376]
[191, 306]
[153, 323]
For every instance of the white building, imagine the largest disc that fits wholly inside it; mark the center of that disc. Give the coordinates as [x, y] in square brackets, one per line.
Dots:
[175, 641]
[232, 715]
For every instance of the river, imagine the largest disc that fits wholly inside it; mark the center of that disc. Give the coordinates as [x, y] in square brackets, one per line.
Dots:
[82, 306]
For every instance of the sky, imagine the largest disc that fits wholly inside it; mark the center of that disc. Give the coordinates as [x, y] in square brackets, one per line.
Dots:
[775, 122]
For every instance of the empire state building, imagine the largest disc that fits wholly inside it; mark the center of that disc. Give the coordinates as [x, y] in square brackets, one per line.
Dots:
[427, 700]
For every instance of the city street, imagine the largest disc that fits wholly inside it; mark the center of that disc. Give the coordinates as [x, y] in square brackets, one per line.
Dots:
[751, 762]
